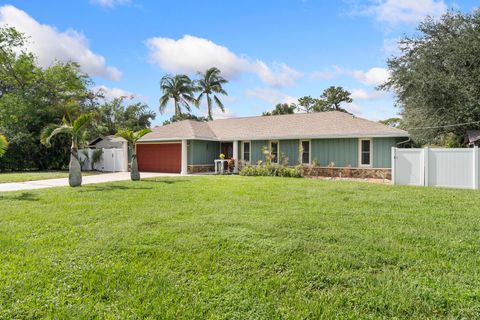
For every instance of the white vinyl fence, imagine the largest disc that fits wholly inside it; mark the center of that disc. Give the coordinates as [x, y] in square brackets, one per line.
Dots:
[112, 160]
[438, 167]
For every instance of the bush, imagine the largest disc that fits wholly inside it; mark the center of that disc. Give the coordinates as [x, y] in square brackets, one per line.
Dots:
[272, 171]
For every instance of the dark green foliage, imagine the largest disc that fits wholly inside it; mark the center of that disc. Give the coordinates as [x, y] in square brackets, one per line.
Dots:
[281, 108]
[184, 116]
[114, 115]
[436, 78]
[32, 98]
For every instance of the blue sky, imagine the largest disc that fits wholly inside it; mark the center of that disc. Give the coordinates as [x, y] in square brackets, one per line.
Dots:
[271, 51]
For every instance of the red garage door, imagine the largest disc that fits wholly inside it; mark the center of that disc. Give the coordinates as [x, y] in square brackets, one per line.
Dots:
[164, 157]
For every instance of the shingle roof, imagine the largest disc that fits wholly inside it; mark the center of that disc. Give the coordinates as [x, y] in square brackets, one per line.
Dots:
[332, 124]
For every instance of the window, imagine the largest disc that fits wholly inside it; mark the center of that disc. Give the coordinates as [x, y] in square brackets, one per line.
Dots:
[246, 151]
[274, 151]
[365, 152]
[305, 151]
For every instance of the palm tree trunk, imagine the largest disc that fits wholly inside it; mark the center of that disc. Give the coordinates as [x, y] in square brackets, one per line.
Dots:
[134, 173]
[177, 108]
[74, 169]
[209, 107]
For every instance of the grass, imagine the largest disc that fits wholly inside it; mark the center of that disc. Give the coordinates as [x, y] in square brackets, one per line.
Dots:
[240, 248]
[35, 175]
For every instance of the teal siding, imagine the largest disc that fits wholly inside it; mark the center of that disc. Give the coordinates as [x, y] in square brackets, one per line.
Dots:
[202, 152]
[382, 151]
[340, 152]
[257, 154]
[289, 149]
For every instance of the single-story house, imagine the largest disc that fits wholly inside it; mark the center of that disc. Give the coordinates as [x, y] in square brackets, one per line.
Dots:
[328, 139]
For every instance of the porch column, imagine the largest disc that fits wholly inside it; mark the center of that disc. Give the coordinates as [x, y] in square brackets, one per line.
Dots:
[235, 156]
[184, 157]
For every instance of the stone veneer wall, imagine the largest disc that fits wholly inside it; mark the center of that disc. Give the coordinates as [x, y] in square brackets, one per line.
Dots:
[200, 168]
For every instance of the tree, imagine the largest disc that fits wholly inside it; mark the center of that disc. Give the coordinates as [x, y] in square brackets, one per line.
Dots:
[179, 88]
[307, 104]
[332, 98]
[184, 116]
[393, 122]
[132, 138]
[75, 128]
[435, 78]
[210, 83]
[281, 108]
[114, 115]
[3, 144]
[31, 97]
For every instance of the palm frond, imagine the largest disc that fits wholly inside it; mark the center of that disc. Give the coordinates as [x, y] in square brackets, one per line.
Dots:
[126, 134]
[52, 130]
[141, 133]
[3, 144]
[219, 103]
[81, 121]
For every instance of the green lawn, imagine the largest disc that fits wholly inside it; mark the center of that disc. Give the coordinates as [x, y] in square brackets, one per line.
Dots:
[35, 175]
[240, 248]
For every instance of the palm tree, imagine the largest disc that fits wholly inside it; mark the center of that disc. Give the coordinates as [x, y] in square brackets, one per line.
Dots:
[132, 138]
[179, 88]
[3, 144]
[75, 128]
[210, 83]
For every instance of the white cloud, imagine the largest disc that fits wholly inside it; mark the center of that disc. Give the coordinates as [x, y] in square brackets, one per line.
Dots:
[218, 114]
[353, 108]
[48, 44]
[270, 96]
[373, 77]
[191, 54]
[405, 11]
[360, 94]
[112, 93]
[109, 3]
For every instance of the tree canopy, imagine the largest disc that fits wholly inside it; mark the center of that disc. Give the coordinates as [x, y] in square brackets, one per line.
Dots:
[32, 97]
[436, 78]
[281, 108]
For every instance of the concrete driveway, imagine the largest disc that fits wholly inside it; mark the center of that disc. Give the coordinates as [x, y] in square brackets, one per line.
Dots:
[98, 178]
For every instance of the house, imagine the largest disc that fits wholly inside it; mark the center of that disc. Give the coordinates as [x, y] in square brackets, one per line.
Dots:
[116, 154]
[108, 142]
[473, 138]
[333, 139]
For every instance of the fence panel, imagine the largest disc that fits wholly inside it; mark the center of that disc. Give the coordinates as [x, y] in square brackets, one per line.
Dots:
[439, 167]
[408, 167]
[112, 160]
[450, 168]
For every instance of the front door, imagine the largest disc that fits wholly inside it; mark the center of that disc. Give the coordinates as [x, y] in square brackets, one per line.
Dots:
[227, 149]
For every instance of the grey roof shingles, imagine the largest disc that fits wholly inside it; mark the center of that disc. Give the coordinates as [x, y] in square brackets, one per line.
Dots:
[331, 124]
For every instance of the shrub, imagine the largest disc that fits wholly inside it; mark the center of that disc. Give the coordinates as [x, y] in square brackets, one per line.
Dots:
[272, 171]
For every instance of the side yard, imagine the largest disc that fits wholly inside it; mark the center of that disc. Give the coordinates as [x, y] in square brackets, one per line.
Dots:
[240, 248]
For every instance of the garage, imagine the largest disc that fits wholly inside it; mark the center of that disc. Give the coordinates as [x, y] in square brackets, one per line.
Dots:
[159, 157]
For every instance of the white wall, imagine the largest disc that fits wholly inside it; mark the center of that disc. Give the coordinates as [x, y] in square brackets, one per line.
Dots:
[438, 167]
[113, 160]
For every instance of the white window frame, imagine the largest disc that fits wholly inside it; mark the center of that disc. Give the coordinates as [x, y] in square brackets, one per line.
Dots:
[278, 149]
[309, 151]
[360, 153]
[249, 150]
